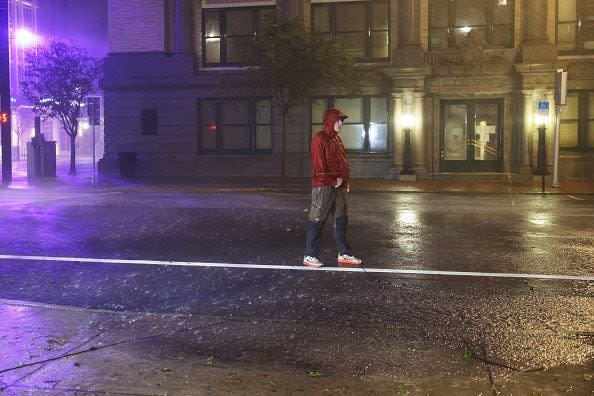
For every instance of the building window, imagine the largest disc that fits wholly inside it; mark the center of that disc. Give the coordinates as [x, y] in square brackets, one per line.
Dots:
[451, 20]
[576, 130]
[366, 128]
[364, 26]
[235, 125]
[228, 35]
[575, 25]
[149, 121]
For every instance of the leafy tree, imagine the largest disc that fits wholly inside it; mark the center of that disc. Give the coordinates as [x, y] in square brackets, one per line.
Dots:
[292, 62]
[57, 79]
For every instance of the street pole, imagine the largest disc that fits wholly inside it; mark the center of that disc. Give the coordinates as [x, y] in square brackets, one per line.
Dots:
[541, 167]
[556, 147]
[93, 122]
[407, 166]
[5, 122]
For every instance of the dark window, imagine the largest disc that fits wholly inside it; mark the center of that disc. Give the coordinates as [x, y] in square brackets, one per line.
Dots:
[28, 16]
[363, 25]
[149, 121]
[228, 35]
[235, 125]
[575, 25]
[576, 129]
[491, 22]
[365, 129]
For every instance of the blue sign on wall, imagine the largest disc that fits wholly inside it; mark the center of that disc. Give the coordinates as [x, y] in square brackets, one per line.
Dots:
[543, 105]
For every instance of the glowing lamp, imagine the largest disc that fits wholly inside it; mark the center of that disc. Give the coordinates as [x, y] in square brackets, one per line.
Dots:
[212, 127]
[25, 38]
[541, 119]
[407, 121]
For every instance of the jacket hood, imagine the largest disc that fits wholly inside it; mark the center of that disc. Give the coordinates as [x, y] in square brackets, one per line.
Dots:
[330, 118]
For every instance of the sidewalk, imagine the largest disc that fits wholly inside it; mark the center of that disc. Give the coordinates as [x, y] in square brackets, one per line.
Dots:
[58, 350]
[502, 185]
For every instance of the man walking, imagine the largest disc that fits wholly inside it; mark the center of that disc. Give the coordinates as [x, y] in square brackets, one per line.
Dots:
[330, 185]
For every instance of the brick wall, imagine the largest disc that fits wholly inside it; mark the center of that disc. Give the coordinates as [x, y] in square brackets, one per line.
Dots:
[135, 25]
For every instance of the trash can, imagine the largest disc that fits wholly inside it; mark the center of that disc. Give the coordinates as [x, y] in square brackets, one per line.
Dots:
[127, 163]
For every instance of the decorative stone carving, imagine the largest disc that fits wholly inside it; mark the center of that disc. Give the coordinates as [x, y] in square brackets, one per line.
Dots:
[471, 86]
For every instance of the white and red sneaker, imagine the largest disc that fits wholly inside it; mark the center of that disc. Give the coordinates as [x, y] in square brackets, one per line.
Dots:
[312, 262]
[351, 261]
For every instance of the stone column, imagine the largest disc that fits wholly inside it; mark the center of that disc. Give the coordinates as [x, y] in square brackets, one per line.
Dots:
[527, 133]
[535, 20]
[409, 52]
[418, 150]
[535, 41]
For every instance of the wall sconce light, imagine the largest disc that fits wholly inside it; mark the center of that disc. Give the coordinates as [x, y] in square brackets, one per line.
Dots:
[407, 121]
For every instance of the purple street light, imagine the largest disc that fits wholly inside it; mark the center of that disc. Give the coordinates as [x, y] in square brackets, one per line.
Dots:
[25, 38]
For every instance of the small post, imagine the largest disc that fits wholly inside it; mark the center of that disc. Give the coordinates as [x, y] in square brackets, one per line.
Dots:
[542, 117]
[541, 167]
[407, 121]
[560, 100]
[93, 122]
[556, 147]
[407, 166]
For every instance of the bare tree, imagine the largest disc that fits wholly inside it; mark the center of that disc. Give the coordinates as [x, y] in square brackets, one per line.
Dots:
[57, 80]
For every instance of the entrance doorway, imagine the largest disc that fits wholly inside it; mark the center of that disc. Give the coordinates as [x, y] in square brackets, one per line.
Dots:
[471, 136]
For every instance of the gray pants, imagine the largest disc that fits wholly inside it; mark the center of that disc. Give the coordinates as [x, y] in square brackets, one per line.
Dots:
[325, 201]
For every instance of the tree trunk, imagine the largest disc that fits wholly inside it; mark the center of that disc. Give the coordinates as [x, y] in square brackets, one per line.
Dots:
[284, 150]
[72, 155]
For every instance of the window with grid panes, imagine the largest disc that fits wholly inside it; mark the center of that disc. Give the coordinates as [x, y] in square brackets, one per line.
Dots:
[451, 20]
[575, 25]
[364, 26]
[576, 127]
[228, 35]
[366, 128]
[235, 125]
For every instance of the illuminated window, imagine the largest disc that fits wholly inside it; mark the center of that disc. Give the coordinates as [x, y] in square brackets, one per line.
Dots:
[576, 129]
[575, 25]
[450, 21]
[235, 125]
[363, 25]
[365, 129]
[228, 35]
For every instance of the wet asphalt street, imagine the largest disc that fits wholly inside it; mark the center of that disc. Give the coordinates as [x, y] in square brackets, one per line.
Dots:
[310, 317]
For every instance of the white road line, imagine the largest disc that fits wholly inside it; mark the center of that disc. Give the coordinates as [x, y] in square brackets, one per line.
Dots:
[298, 268]
[576, 198]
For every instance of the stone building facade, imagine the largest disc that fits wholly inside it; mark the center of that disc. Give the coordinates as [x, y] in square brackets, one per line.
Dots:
[469, 83]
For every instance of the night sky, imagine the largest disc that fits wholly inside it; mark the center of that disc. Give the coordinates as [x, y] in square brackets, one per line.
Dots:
[84, 21]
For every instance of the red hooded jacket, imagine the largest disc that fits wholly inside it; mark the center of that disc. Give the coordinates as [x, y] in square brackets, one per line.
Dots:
[328, 159]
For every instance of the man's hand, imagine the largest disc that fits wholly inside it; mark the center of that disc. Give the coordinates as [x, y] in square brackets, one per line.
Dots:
[338, 182]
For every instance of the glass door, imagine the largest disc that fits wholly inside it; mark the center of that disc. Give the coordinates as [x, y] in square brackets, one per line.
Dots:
[471, 136]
